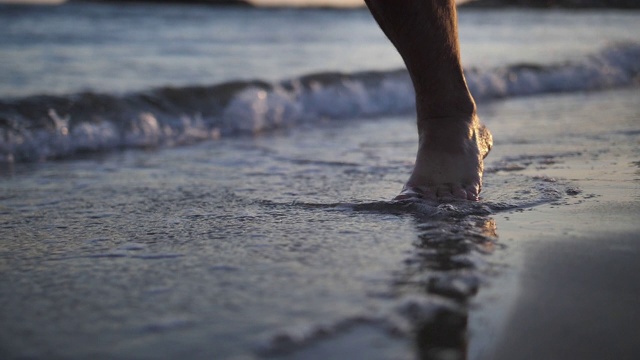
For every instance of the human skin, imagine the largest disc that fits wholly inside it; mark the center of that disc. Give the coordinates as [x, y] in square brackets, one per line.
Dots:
[452, 142]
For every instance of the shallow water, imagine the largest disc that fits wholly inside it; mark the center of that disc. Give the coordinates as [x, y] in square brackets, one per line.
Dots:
[280, 245]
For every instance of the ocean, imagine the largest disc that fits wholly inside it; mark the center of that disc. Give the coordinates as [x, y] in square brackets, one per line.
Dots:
[216, 182]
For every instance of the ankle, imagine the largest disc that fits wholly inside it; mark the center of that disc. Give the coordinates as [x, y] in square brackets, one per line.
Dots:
[446, 107]
[455, 125]
[451, 134]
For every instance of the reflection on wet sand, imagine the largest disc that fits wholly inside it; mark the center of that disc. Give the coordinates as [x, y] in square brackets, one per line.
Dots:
[444, 267]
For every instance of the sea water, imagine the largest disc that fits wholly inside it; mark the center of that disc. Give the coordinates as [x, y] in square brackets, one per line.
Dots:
[88, 77]
[270, 231]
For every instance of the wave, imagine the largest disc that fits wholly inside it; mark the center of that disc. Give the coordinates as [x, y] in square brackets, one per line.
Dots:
[38, 128]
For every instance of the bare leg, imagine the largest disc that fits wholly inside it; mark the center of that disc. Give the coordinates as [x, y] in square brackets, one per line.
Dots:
[452, 143]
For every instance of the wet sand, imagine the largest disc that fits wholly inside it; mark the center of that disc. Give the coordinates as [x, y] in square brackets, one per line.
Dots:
[578, 291]
[571, 285]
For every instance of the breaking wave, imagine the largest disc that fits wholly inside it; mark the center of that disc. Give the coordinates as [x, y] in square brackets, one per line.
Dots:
[38, 128]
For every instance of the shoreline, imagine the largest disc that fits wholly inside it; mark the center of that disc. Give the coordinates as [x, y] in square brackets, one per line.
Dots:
[570, 286]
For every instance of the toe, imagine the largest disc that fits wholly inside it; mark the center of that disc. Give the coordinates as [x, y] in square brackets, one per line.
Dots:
[459, 193]
[409, 192]
[473, 192]
[416, 192]
[428, 193]
[444, 192]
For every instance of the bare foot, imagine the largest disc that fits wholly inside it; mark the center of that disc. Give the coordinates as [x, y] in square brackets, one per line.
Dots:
[449, 163]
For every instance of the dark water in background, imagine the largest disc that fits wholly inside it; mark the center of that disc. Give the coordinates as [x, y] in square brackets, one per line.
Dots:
[284, 244]
[115, 48]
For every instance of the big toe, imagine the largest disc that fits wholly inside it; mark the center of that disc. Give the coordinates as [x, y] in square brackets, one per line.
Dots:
[416, 192]
[473, 192]
[459, 193]
[453, 192]
[442, 192]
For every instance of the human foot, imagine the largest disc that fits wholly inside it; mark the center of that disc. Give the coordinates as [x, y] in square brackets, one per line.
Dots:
[449, 163]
